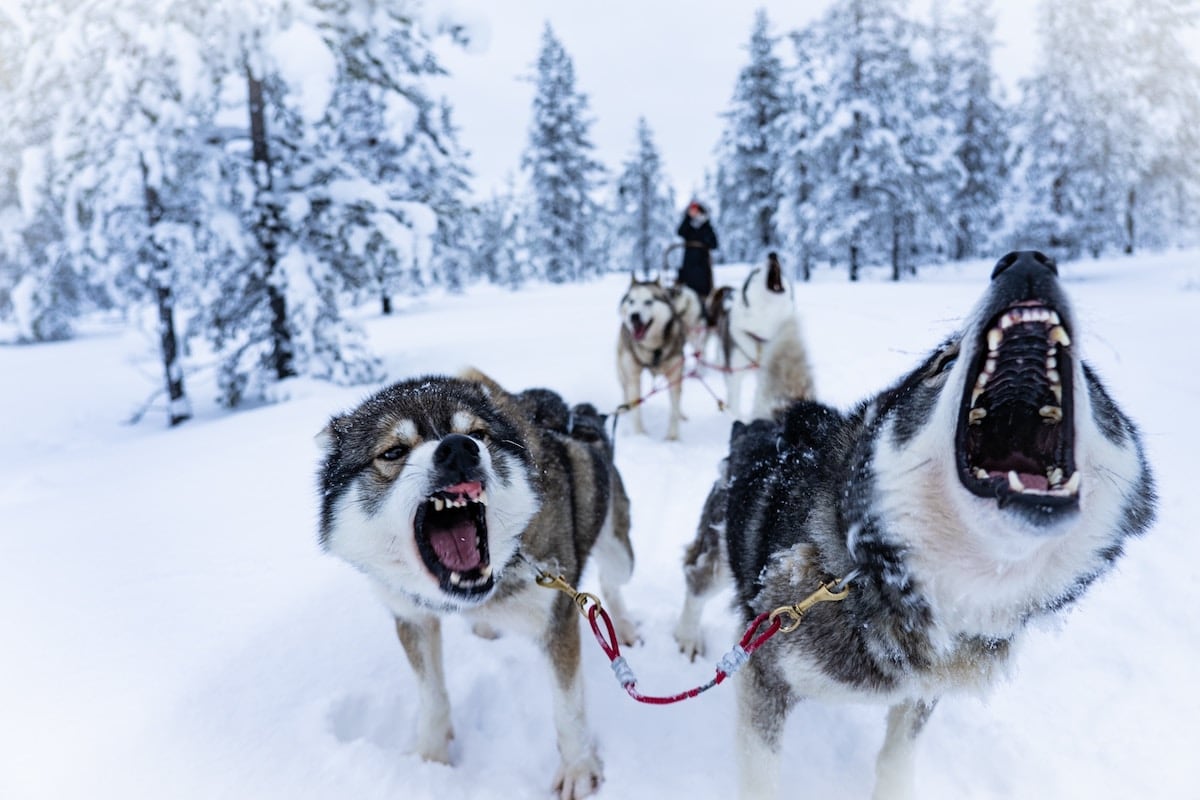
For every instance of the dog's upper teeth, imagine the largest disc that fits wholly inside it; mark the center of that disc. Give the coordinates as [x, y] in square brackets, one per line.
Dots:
[1052, 414]
[975, 395]
[976, 416]
[482, 498]
[994, 338]
[438, 504]
[1058, 334]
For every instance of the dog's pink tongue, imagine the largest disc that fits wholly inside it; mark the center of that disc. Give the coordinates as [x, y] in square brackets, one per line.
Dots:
[455, 546]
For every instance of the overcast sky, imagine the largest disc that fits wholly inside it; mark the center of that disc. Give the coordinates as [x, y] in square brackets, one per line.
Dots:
[673, 62]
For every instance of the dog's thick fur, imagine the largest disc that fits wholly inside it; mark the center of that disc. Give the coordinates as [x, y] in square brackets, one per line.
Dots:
[987, 488]
[656, 323]
[446, 492]
[757, 326]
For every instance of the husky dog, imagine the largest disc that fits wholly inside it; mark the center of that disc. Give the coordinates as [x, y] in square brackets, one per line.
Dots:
[446, 492]
[989, 487]
[747, 322]
[655, 325]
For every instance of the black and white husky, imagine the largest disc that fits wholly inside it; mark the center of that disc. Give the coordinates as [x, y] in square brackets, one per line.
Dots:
[989, 487]
[446, 492]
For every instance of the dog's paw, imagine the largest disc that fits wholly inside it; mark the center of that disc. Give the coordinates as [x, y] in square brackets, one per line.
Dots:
[690, 641]
[485, 631]
[627, 632]
[435, 745]
[579, 779]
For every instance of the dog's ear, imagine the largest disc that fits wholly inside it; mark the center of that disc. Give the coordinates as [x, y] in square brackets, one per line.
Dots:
[330, 437]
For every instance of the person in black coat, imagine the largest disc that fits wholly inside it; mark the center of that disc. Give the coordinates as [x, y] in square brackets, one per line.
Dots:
[700, 240]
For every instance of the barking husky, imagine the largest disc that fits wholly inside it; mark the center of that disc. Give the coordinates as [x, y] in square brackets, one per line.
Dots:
[445, 492]
[987, 488]
[757, 326]
[656, 323]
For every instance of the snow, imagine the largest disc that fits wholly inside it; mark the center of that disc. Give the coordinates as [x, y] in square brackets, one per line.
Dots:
[173, 630]
[305, 63]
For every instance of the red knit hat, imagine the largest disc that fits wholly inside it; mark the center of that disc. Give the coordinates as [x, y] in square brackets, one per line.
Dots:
[694, 206]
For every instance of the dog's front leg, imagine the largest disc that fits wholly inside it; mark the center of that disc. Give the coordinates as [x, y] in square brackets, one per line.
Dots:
[897, 757]
[581, 772]
[763, 706]
[422, 641]
[675, 379]
[630, 373]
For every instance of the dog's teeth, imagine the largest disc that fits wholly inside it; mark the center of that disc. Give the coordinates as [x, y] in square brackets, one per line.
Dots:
[981, 473]
[455, 578]
[1057, 389]
[1052, 414]
[1054, 320]
[1014, 481]
[1007, 321]
[486, 570]
[1054, 377]
[1054, 475]
[976, 416]
[995, 337]
[1051, 362]
[975, 395]
[1058, 334]
[482, 499]
[1072, 484]
[982, 380]
[989, 366]
[438, 504]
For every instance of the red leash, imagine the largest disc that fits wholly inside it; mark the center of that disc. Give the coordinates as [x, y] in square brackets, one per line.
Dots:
[589, 606]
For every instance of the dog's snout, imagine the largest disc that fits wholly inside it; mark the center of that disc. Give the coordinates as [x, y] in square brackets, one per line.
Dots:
[456, 457]
[1024, 259]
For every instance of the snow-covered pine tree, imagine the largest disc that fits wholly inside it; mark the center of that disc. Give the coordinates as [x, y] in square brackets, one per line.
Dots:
[798, 215]
[560, 226]
[967, 95]
[1109, 125]
[323, 178]
[751, 151]
[494, 238]
[43, 289]
[878, 152]
[643, 208]
[140, 165]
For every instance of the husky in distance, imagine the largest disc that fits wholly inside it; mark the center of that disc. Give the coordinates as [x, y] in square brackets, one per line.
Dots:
[986, 489]
[451, 494]
[656, 323]
[756, 326]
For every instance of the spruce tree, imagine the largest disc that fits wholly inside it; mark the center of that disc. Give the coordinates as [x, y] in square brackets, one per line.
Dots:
[562, 173]
[751, 151]
[643, 208]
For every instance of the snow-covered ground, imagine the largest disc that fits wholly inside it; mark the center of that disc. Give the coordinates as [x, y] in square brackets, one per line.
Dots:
[171, 630]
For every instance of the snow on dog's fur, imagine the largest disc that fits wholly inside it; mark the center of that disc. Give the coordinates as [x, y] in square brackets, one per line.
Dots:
[446, 492]
[987, 488]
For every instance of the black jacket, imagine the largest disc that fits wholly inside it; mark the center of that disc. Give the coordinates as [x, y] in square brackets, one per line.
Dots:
[696, 271]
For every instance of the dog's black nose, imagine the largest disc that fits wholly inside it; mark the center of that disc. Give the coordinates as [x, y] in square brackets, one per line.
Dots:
[1030, 259]
[456, 458]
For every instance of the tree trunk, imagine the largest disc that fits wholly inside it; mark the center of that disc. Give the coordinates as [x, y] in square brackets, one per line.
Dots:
[1130, 202]
[853, 262]
[387, 304]
[897, 266]
[178, 407]
[266, 231]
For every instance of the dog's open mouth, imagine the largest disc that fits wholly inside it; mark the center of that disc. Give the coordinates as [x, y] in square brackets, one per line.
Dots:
[451, 533]
[1016, 438]
[638, 327]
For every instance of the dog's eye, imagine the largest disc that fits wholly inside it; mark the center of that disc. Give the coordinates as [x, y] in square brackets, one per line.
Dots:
[946, 363]
[481, 434]
[393, 454]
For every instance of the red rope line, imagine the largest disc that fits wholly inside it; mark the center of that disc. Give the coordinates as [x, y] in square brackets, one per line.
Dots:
[751, 640]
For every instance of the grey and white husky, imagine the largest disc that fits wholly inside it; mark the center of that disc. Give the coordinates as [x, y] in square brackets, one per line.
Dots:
[446, 492]
[988, 487]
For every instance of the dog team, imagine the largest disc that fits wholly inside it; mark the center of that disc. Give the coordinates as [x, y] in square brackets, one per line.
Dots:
[982, 491]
